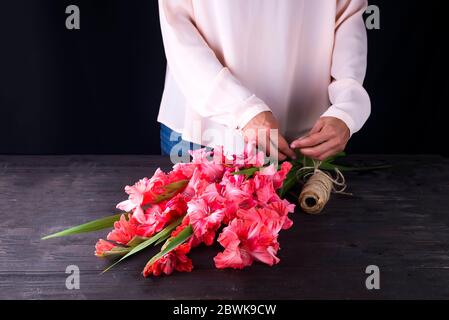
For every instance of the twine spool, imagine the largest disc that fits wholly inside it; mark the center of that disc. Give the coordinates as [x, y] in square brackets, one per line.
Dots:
[315, 193]
[317, 190]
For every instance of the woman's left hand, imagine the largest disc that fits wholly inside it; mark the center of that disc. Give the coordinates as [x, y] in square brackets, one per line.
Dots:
[328, 137]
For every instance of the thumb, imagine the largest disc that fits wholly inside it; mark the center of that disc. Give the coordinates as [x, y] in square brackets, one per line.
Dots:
[319, 125]
[285, 149]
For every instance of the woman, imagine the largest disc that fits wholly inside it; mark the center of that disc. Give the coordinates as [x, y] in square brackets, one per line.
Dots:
[234, 67]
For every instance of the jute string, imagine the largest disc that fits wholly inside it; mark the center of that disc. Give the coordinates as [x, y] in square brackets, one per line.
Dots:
[317, 190]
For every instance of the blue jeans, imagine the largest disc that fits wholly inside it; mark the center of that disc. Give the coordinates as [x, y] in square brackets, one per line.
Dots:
[170, 139]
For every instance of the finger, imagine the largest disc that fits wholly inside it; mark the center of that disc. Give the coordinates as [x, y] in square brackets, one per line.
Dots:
[338, 148]
[250, 140]
[317, 151]
[317, 127]
[275, 151]
[284, 148]
[311, 141]
[250, 135]
[281, 156]
[263, 141]
[266, 140]
[328, 154]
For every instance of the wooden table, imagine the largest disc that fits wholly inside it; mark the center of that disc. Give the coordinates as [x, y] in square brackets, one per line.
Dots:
[398, 220]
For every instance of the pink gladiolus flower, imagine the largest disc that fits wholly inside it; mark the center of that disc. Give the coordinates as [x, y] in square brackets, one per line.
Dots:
[175, 207]
[166, 210]
[123, 232]
[186, 169]
[148, 222]
[280, 175]
[264, 189]
[136, 195]
[213, 194]
[244, 242]
[283, 208]
[174, 260]
[147, 191]
[209, 170]
[251, 157]
[139, 214]
[233, 187]
[264, 216]
[102, 247]
[205, 218]
[196, 185]
[238, 194]
[277, 176]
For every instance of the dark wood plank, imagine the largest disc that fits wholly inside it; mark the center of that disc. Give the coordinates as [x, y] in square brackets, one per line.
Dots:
[398, 220]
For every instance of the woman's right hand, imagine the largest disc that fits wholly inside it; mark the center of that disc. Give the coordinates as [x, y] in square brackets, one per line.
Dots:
[258, 130]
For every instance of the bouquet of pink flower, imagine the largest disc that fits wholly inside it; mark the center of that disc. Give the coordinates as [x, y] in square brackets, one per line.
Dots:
[238, 197]
[235, 197]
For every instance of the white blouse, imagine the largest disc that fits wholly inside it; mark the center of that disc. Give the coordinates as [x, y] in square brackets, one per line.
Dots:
[228, 60]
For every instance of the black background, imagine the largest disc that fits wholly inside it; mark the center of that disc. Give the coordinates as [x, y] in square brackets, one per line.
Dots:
[98, 89]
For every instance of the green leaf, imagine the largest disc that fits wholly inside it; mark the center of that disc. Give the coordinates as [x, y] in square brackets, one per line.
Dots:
[162, 239]
[135, 241]
[289, 182]
[332, 158]
[247, 172]
[303, 161]
[308, 162]
[292, 180]
[91, 226]
[171, 190]
[116, 252]
[173, 243]
[329, 166]
[161, 234]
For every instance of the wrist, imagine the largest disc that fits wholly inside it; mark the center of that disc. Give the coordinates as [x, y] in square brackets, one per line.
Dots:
[252, 108]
